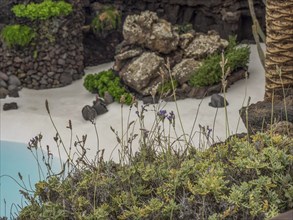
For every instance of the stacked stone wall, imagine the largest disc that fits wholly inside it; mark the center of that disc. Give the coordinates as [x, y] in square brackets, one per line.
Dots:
[54, 59]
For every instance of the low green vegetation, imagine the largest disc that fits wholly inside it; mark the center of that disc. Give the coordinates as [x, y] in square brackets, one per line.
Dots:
[107, 81]
[109, 18]
[239, 179]
[42, 11]
[17, 35]
[210, 72]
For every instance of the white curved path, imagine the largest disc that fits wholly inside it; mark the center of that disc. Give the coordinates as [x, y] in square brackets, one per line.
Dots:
[66, 103]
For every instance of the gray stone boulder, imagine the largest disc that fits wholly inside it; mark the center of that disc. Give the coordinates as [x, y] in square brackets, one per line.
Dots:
[108, 98]
[185, 40]
[13, 80]
[9, 85]
[218, 101]
[259, 115]
[4, 76]
[100, 106]
[144, 73]
[129, 54]
[147, 30]
[66, 79]
[122, 57]
[205, 44]
[3, 84]
[183, 70]
[89, 113]
[10, 106]
[13, 91]
[3, 93]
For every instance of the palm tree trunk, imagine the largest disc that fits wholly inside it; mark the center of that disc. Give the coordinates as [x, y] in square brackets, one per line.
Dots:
[279, 56]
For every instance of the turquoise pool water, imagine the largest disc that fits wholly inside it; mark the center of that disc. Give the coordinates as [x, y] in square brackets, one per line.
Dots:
[15, 158]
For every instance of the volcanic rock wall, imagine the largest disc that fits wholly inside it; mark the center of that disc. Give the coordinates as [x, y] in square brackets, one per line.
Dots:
[54, 59]
[227, 17]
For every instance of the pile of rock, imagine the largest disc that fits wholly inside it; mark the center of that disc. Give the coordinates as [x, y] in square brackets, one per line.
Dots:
[99, 107]
[9, 85]
[153, 50]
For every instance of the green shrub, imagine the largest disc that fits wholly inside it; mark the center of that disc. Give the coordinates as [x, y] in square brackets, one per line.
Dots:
[108, 19]
[238, 179]
[106, 81]
[42, 11]
[210, 71]
[17, 35]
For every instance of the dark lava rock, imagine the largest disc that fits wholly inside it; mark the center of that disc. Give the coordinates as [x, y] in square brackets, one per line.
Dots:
[88, 113]
[3, 93]
[3, 76]
[100, 107]
[218, 101]
[13, 80]
[10, 106]
[66, 79]
[108, 98]
[3, 84]
[259, 116]
[14, 93]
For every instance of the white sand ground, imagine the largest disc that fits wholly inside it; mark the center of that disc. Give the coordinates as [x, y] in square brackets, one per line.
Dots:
[66, 103]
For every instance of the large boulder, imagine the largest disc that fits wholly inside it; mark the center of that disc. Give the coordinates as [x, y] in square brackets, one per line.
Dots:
[144, 73]
[186, 39]
[261, 115]
[153, 49]
[183, 70]
[204, 45]
[147, 30]
[124, 55]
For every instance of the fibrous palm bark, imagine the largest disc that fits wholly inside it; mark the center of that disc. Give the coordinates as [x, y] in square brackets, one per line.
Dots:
[279, 42]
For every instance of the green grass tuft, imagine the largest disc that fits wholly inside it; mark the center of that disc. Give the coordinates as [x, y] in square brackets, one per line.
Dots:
[17, 35]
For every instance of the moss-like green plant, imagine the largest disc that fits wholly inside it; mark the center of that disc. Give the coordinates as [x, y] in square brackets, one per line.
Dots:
[17, 35]
[210, 71]
[43, 10]
[108, 19]
[107, 81]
